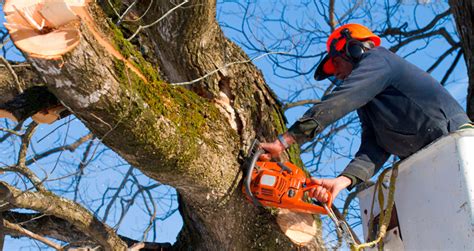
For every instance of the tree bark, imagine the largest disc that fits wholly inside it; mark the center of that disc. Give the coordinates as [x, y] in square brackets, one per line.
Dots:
[78, 216]
[463, 14]
[192, 138]
[28, 77]
[59, 229]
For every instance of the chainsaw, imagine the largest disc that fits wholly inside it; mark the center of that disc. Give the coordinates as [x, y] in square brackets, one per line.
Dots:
[280, 185]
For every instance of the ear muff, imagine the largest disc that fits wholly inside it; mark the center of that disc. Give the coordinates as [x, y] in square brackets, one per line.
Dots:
[354, 49]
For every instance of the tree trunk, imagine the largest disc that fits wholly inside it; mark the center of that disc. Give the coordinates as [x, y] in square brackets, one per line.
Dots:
[463, 14]
[192, 138]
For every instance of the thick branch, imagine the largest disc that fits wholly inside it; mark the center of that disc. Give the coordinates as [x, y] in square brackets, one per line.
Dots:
[59, 229]
[25, 232]
[8, 86]
[72, 212]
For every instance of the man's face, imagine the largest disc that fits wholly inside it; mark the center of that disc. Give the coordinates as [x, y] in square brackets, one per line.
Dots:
[342, 67]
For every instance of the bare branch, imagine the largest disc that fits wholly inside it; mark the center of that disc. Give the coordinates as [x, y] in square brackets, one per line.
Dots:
[60, 229]
[113, 8]
[72, 212]
[430, 25]
[144, 13]
[157, 21]
[451, 68]
[71, 147]
[21, 166]
[11, 131]
[442, 57]
[300, 103]
[332, 23]
[228, 65]
[15, 129]
[81, 167]
[117, 193]
[126, 12]
[26, 232]
[13, 74]
[353, 195]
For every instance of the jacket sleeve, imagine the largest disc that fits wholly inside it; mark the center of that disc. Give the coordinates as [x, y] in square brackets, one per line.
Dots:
[370, 77]
[369, 159]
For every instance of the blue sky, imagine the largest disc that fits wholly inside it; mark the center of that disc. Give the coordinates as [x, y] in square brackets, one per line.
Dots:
[106, 169]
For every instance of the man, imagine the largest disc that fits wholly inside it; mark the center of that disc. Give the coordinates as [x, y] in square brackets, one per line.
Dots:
[401, 107]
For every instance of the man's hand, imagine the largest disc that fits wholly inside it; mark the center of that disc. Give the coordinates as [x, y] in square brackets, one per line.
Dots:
[275, 148]
[334, 186]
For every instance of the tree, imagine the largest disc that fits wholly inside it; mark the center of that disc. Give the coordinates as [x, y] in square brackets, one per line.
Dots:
[192, 138]
[463, 13]
[182, 103]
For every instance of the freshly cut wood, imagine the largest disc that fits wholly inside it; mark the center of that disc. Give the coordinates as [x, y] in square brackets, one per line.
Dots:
[8, 115]
[47, 46]
[43, 28]
[301, 228]
[48, 29]
[58, 13]
[11, 5]
[49, 115]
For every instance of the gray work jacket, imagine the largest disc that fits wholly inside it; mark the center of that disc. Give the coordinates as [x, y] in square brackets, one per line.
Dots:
[401, 109]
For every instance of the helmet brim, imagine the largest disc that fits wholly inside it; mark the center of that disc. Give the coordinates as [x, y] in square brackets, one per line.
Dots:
[325, 69]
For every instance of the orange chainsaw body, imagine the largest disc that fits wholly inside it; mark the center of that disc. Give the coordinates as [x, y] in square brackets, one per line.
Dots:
[283, 185]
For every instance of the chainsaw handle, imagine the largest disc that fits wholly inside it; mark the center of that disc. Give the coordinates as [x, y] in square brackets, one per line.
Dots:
[284, 167]
[314, 186]
[248, 179]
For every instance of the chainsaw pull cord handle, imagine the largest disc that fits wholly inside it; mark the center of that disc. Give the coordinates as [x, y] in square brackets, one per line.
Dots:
[248, 179]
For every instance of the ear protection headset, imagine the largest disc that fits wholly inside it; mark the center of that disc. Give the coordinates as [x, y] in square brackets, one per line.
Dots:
[353, 48]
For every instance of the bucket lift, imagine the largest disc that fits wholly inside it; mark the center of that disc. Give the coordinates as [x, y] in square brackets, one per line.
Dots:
[434, 198]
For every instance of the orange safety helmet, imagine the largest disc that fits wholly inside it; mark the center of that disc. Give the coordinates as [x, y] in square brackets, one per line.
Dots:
[343, 41]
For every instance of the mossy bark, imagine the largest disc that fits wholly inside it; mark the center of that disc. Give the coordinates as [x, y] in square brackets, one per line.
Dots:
[193, 138]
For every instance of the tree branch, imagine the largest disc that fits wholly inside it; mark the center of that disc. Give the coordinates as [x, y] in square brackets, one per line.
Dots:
[17, 228]
[390, 31]
[441, 31]
[50, 204]
[71, 147]
[287, 106]
[8, 84]
[13, 74]
[332, 22]
[59, 229]
[158, 20]
[451, 68]
[20, 166]
[442, 57]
